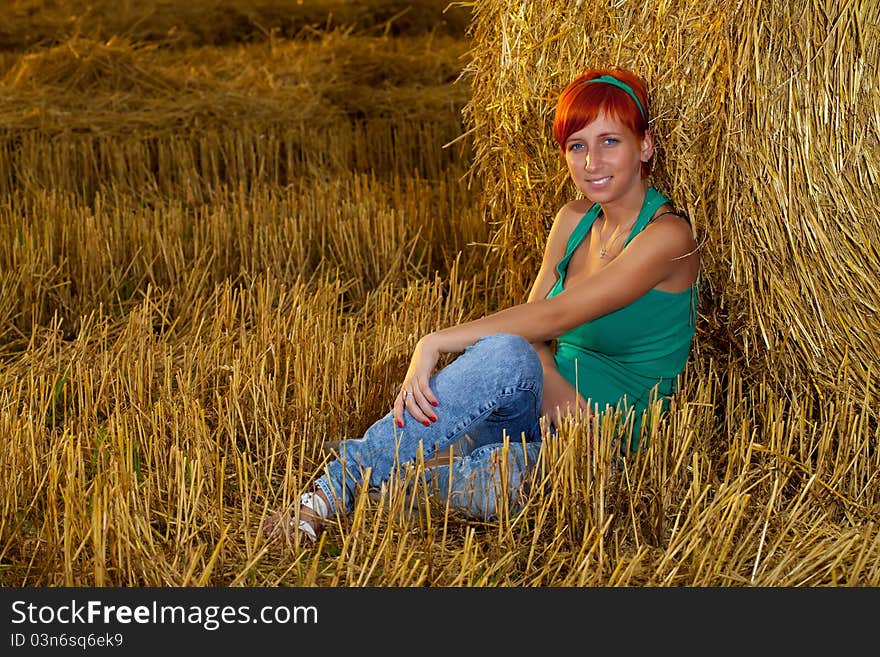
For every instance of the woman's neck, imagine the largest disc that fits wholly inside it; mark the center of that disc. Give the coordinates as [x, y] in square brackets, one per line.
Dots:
[623, 212]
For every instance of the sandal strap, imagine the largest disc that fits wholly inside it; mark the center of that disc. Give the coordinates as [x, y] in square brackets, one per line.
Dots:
[306, 528]
[315, 503]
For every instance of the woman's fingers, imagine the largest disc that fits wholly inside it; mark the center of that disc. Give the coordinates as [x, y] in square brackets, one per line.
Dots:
[419, 403]
[421, 407]
[397, 410]
[415, 394]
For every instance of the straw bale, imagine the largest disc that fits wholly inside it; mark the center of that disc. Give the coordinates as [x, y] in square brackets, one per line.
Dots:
[83, 66]
[767, 117]
[282, 110]
[107, 87]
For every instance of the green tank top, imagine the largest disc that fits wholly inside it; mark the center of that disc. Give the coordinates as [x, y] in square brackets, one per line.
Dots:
[628, 357]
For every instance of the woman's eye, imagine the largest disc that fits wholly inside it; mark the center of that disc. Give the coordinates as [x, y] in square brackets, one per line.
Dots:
[610, 141]
[575, 147]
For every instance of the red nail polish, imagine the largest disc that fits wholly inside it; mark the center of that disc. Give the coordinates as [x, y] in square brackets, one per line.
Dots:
[434, 419]
[426, 423]
[436, 403]
[400, 424]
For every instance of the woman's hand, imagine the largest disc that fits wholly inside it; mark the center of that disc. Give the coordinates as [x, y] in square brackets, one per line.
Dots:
[415, 393]
[560, 397]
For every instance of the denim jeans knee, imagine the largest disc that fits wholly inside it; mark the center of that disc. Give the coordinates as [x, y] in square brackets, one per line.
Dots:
[507, 352]
[491, 390]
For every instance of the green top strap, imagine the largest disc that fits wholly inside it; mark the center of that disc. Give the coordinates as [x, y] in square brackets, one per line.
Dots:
[653, 200]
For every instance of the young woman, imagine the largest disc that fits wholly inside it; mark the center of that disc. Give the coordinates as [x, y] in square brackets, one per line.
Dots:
[616, 293]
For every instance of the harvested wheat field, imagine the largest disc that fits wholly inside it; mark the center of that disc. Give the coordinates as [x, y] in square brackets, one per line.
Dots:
[224, 226]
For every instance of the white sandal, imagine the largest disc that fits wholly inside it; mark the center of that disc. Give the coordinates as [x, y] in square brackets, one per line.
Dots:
[316, 503]
[308, 529]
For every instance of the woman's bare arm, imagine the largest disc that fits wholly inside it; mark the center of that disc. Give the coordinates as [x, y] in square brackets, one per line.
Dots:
[650, 259]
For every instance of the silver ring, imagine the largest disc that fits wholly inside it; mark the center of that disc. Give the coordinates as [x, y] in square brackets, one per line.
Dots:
[406, 393]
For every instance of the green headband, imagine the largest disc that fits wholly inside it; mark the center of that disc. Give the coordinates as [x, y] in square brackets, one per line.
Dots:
[608, 79]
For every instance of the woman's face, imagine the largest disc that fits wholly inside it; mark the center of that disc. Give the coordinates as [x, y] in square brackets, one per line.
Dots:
[605, 159]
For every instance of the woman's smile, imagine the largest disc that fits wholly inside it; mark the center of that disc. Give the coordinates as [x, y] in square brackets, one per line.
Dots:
[599, 183]
[605, 159]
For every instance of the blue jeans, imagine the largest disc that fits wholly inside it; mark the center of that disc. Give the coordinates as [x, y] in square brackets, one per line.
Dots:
[491, 391]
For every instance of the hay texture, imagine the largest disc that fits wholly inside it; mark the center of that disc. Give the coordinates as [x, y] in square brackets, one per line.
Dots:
[87, 115]
[767, 117]
[26, 24]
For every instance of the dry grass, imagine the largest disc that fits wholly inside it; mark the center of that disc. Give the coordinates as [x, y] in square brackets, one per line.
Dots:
[214, 259]
[768, 132]
[34, 24]
[89, 117]
[767, 127]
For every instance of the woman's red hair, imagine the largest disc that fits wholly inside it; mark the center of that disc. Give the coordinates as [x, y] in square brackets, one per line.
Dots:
[582, 101]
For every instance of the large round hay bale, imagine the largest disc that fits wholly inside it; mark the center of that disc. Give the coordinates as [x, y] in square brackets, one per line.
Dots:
[766, 115]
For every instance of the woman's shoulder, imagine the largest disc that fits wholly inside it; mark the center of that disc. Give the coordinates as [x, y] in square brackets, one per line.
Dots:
[578, 206]
[669, 218]
[571, 213]
[669, 210]
[670, 231]
[566, 220]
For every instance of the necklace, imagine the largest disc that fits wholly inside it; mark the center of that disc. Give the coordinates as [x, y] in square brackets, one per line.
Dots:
[604, 250]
